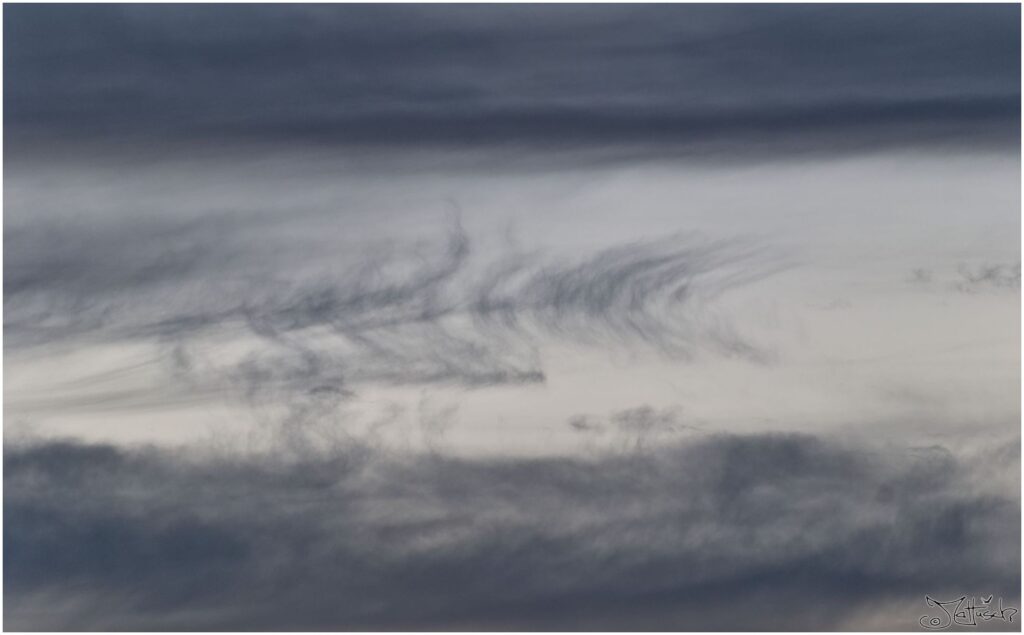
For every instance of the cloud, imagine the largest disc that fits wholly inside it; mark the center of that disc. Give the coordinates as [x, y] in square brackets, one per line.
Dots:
[980, 278]
[293, 321]
[716, 532]
[634, 428]
[703, 79]
[988, 276]
[216, 202]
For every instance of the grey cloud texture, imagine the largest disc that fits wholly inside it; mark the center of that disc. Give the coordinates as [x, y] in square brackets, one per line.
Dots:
[634, 428]
[988, 277]
[717, 532]
[977, 278]
[391, 313]
[224, 231]
[791, 77]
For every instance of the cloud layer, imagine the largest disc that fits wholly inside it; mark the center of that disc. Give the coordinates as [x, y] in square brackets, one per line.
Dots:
[356, 271]
[706, 76]
[716, 532]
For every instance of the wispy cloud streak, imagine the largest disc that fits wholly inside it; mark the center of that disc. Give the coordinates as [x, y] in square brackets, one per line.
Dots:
[396, 315]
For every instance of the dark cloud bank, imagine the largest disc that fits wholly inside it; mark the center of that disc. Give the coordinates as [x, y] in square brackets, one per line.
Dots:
[711, 79]
[773, 531]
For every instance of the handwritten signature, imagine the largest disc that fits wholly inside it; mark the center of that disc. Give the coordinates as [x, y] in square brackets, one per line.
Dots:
[966, 612]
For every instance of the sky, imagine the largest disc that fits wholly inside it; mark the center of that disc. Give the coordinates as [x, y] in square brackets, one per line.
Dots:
[492, 317]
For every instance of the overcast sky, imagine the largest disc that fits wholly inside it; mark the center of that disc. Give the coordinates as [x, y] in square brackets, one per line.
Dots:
[659, 317]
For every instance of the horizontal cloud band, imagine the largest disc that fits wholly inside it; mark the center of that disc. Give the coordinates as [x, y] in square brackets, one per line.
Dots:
[402, 314]
[715, 533]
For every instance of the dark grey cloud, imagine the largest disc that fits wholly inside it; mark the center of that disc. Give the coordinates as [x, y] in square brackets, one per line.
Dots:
[710, 77]
[719, 532]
